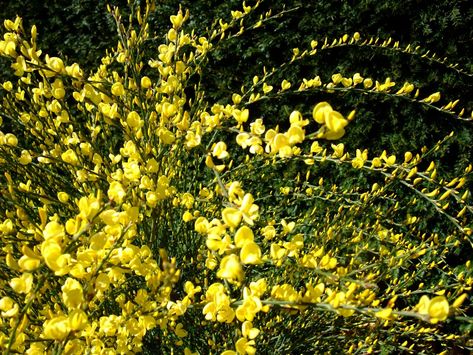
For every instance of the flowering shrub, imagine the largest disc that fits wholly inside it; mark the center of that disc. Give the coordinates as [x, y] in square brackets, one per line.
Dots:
[135, 214]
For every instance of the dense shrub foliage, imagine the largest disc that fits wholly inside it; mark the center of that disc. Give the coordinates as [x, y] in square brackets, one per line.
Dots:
[142, 212]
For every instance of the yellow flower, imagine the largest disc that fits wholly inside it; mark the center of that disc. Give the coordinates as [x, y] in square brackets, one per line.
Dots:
[285, 85]
[88, 207]
[8, 307]
[438, 309]
[245, 346]
[277, 252]
[360, 159]
[77, 319]
[220, 150]
[432, 98]
[7, 85]
[218, 306]
[243, 236]
[232, 217]
[180, 331]
[28, 263]
[133, 120]
[267, 88]
[55, 64]
[54, 230]
[259, 287]
[177, 20]
[110, 324]
[248, 331]
[192, 139]
[312, 293]
[320, 112]
[116, 192]
[250, 253]
[23, 283]
[241, 116]
[145, 82]
[335, 121]
[249, 308]
[295, 134]
[72, 294]
[56, 328]
[166, 136]
[191, 290]
[118, 89]
[57, 89]
[25, 158]
[52, 254]
[230, 268]
[385, 313]
[13, 26]
[70, 157]
[249, 209]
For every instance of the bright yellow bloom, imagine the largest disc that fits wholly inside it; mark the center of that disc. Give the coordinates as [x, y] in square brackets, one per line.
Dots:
[145, 82]
[77, 319]
[8, 307]
[250, 253]
[436, 308]
[23, 283]
[116, 192]
[54, 231]
[250, 307]
[56, 328]
[219, 150]
[232, 217]
[230, 268]
[320, 111]
[118, 89]
[243, 235]
[245, 346]
[72, 294]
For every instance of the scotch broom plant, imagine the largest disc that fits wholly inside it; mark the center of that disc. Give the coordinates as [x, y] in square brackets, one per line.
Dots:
[136, 215]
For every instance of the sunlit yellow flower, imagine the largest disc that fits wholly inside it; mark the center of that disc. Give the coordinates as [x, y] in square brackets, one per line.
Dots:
[243, 235]
[249, 308]
[145, 82]
[232, 217]
[72, 293]
[245, 346]
[8, 307]
[56, 328]
[438, 309]
[78, 319]
[230, 268]
[23, 283]
[118, 89]
[219, 150]
[250, 253]
[116, 192]
[321, 110]
[53, 230]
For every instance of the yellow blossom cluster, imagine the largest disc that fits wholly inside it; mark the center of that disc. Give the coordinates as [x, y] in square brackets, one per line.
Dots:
[131, 213]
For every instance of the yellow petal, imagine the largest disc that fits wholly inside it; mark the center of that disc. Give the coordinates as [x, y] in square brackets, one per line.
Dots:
[243, 235]
[335, 121]
[438, 309]
[320, 111]
[250, 253]
[230, 268]
[231, 217]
